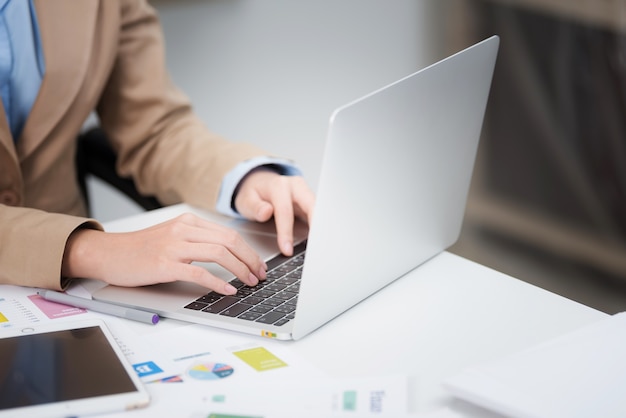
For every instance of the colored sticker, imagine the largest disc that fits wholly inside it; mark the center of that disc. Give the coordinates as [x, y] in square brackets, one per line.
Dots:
[55, 310]
[349, 400]
[171, 379]
[218, 398]
[147, 368]
[210, 371]
[260, 359]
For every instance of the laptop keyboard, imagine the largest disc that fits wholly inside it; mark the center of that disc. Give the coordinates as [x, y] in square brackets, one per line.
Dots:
[271, 301]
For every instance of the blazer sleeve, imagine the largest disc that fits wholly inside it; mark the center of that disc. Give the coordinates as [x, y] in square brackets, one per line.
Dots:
[160, 142]
[36, 262]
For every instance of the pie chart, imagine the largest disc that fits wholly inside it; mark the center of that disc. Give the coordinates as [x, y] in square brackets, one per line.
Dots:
[210, 371]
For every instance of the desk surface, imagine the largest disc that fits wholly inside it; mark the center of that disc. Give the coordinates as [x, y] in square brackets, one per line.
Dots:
[448, 314]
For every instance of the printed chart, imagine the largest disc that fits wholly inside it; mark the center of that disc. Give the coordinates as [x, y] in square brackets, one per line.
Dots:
[210, 371]
[14, 313]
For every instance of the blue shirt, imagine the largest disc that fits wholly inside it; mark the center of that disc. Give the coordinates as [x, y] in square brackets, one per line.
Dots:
[21, 61]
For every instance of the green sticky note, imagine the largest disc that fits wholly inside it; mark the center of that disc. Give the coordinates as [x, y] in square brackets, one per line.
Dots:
[349, 400]
[219, 398]
[260, 359]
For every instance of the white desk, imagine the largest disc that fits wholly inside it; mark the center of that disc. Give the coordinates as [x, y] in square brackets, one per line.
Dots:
[447, 314]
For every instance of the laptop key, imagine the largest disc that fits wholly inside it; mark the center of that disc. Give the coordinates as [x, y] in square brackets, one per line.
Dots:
[210, 297]
[253, 300]
[285, 309]
[287, 280]
[275, 287]
[273, 275]
[270, 318]
[282, 321]
[264, 294]
[236, 283]
[272, 302]
[236, 309]
[222, 304]
[262, 309]
[250, 316]
[196, 306]
[284, 295]
[243, 292]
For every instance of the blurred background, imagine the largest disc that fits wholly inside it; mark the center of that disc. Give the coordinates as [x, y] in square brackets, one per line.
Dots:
[548, 197]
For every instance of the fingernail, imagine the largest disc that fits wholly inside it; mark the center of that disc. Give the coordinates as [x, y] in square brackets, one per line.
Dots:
[287, 247]
[253, 280]
[263, 272]
[229, 289]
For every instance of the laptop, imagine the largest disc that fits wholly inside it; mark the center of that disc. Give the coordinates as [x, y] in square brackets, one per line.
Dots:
[391, 195]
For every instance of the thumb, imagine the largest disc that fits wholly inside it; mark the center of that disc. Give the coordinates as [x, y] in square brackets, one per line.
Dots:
[263, 211]
[253, 207]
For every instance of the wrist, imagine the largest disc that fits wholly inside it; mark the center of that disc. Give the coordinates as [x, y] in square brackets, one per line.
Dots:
[79, 258]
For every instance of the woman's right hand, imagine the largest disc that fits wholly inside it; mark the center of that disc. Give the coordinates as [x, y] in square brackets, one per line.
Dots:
[163, 253]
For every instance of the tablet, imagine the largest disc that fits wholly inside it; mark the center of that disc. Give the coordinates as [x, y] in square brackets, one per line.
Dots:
[66, 369]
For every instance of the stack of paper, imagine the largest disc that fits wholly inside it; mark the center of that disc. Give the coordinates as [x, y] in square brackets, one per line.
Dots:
[580, 374]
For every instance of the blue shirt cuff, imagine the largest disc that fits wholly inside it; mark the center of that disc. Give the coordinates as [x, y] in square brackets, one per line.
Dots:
[233, 178]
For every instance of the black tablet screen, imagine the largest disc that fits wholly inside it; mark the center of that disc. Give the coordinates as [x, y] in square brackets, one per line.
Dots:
[59, 366]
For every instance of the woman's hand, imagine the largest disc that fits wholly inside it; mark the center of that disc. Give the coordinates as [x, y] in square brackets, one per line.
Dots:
[263, 193]
[163, 253]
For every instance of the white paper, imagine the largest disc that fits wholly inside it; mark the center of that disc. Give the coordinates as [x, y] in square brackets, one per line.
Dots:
[197, 371]
[580, 374]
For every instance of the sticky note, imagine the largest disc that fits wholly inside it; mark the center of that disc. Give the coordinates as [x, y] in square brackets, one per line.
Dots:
[349, 400]
[260, 359]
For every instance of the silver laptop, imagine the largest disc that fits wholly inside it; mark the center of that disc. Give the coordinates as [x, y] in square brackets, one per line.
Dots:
[391, 195]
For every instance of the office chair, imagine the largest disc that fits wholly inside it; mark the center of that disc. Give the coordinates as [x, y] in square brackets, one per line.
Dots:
[95, 156]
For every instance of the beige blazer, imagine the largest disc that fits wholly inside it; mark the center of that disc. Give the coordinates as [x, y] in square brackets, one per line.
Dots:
[107, 56]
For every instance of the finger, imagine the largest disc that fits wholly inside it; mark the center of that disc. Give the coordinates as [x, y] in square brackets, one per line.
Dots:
[303, 198]
[282, 202]
[196, 274]
[200, 240]
[298, 200]
[251, 205]
[215, 253]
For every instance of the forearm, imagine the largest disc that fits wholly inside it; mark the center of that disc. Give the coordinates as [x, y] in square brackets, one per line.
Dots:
[32, 244]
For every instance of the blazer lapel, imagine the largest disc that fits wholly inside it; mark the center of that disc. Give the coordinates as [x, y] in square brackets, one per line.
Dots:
[66, 50]
[6, 143]
[6, 138]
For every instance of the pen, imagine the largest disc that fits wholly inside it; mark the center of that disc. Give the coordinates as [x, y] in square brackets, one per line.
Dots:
[102, 307]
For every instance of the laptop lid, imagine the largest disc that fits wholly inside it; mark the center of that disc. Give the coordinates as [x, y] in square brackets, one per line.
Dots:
[392, 194]
[394, 182]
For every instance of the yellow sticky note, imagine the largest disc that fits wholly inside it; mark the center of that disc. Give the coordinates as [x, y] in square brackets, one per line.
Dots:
[3, 318]
[260, 359]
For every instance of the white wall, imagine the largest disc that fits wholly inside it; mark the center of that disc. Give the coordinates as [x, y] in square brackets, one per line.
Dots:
[272, 71]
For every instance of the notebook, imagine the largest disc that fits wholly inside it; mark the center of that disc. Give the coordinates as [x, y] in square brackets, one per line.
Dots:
[391, 195]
